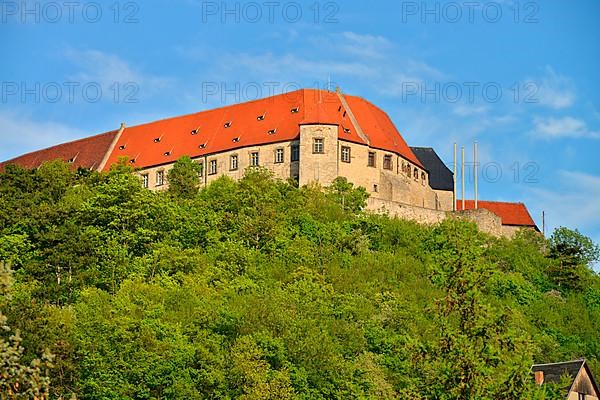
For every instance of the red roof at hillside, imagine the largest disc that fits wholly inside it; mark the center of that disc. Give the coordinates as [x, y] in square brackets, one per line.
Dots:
[511, 213]
[270, 120]
[83, 153]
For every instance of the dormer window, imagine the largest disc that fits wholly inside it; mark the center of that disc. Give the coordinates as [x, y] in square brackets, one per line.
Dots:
[261, 117]
[272, 131]
[202, 146]
[157, 140]
[71, 160]
[167, 153]
[227, 125]
[346, 130]
[235, 140]
[122, 147]
[195, 131]
[132, 161]
[295, 110]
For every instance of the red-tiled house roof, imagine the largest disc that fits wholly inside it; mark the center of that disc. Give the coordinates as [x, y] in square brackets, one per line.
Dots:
[515, 214]
[83, 153]
[269, 120]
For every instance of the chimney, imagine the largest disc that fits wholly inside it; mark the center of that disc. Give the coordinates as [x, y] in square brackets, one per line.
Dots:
[539, 377]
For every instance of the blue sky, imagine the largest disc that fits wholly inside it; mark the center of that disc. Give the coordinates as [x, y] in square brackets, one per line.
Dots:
[520, 78]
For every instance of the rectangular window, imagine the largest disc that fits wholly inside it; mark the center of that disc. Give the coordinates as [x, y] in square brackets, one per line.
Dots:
[160, 178]
[295, 152]
[233, 162]
[279, 156]
[254, 160]
[582, 396]
[318, 146]
[145, 181]
[212, 167]
[201, 170]
[371, 162]
[387, 162]
[345, 154]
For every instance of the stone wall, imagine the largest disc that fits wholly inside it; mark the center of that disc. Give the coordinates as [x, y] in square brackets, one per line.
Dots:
[485, 220]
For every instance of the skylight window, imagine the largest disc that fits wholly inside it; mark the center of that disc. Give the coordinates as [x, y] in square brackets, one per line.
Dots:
[295, 110]
[227, 124]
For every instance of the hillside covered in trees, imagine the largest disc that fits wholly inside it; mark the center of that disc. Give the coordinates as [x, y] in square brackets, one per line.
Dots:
[258, 289]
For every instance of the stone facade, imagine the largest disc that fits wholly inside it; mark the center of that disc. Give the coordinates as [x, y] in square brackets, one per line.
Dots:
[321, 158]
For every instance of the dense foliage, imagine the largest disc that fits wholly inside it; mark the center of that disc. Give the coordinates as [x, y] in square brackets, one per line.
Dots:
[258, 289]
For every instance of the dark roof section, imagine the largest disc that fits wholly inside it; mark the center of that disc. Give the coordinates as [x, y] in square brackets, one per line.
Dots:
[555, 371]
[440, 177]
[83, 153]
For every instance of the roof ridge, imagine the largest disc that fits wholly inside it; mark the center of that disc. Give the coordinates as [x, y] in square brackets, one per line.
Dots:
[581, 360]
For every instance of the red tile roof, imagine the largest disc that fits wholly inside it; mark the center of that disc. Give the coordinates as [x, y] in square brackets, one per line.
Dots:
[83, 153]
[165, 141]
[515, 214]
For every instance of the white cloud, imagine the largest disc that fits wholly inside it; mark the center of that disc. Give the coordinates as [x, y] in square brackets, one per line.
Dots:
[368, 46]
[574, 203]
[554, 90]
[463, 110]
[107, 69]
[21, 133]
[565, 127]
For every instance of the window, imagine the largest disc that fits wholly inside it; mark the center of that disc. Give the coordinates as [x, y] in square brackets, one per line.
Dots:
[279, 156]
[233, 162]
[371, 162]
[160, 178]
[387, 162]
[318, 146]
[345, 154]
[201, 170]
[227, 124]
[254, 160]
[416, 174]
[581, 396]
[295, 110]
[212, 167]
[423, 177]
[145, 181]
[295, 152]
[375, 188]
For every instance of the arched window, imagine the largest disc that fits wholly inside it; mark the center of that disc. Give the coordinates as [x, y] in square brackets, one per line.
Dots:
[416, 173]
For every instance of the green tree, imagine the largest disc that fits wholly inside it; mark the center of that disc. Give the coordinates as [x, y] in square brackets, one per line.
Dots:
[573, 253]
[18, 380]
[478, 352]
[344, 192]
[184, 178]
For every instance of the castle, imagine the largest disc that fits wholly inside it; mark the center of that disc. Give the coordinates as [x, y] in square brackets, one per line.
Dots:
[307, 135]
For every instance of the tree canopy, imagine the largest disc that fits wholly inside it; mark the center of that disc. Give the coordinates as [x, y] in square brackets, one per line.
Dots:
[259, 289]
